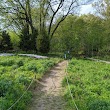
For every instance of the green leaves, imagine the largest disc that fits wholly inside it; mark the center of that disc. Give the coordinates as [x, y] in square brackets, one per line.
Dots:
[16, 73]
[99, 105]
[89, 81]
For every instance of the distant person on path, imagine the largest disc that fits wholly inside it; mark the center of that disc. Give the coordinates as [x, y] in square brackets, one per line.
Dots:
[67, 55]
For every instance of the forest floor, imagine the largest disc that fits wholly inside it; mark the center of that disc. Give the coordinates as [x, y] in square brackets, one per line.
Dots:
[48, 94]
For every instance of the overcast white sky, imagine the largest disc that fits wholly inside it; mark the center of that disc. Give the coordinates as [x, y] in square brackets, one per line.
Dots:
[85, 9]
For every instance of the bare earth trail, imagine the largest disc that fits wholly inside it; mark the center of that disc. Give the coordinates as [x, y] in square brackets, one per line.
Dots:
[48, 95]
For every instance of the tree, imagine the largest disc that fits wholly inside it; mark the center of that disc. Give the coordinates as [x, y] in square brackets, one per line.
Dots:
[19, 16]
[50, 15]
[15, 40]
[5, 43]
[49, 11]
[81, 35]
[70, 35]
[95, 36]
[103, 9]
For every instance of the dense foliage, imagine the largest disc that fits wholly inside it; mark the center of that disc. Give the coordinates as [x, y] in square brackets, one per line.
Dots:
[16, 73]
[85, 35]
[33, 18]
[41, 27]
[90, 85]
[5, 41]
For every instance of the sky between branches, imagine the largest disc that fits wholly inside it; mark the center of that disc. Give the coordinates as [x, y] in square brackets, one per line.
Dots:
[85, 9]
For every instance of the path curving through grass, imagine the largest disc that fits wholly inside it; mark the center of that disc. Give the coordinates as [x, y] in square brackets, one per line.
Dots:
[48, 94]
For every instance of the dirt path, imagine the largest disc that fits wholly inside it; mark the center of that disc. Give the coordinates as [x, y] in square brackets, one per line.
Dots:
[48, 93]
[28, 55]
[98, 60]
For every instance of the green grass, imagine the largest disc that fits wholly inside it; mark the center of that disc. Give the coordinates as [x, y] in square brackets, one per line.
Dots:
[90, 85]
[16, 74]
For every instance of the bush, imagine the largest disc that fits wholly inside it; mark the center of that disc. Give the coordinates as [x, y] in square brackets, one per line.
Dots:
[32, 67]
[20, 63]
[7, 62]
[99, 105]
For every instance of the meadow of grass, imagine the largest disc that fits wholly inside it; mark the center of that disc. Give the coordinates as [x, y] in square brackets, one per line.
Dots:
[16, 73]
[90, 85]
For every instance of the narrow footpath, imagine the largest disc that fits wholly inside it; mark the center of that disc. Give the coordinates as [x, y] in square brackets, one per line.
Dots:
[48, 94]
[98, 60]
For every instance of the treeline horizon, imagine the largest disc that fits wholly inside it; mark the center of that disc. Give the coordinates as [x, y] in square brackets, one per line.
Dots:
[39, 27]
[82, 35]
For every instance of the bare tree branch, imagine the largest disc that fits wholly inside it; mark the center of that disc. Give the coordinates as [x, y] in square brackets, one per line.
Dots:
[59, 6]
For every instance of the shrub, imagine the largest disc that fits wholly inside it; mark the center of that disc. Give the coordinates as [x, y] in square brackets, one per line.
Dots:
[99, 105]
[7, 62]
[20, 63]
[32, 67]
